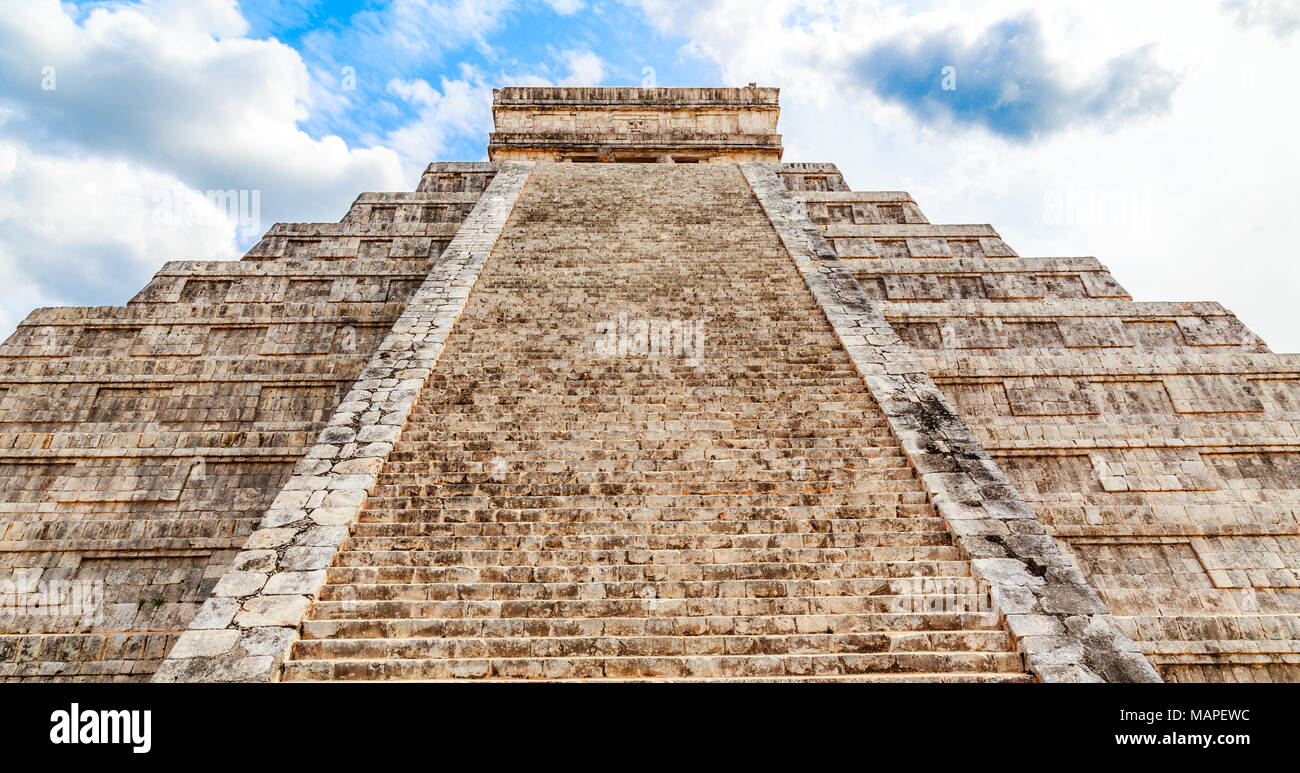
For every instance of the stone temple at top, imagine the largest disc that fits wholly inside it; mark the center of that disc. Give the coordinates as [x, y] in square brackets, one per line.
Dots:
[636, 399]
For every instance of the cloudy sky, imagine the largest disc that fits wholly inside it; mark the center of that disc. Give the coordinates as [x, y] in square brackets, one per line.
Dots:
[1158, 135]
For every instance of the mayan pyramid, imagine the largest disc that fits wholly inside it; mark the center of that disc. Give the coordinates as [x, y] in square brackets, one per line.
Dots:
[636, 400]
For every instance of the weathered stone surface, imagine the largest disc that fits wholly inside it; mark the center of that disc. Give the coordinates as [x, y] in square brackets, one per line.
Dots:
[205, 643]
[340, 490]
[649, 125]
[272, 610]
[928, 426]
[1118, 479]
[143, 444]
[1156, 442]
[734, 508]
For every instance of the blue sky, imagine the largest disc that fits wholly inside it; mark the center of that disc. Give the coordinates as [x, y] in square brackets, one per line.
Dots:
[517, 42]
[1157, 136]
[373, 43]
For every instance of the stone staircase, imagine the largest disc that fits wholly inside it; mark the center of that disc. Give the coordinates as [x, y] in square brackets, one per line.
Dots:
[590, 489]
[140, 445]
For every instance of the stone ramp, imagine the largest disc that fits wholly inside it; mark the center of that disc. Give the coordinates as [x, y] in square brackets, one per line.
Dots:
[643, 455]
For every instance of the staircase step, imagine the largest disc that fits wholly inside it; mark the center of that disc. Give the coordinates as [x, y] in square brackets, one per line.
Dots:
[801, 606]
[858, 586]
[383, 511]
[558, 511]
[708, 666]
[967, 642]
[355, 627]
[802, 529]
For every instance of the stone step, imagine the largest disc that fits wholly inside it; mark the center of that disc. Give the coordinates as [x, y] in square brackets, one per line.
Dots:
[683, 401]
[205, 369]
[964, 642]
[379, 557]
[542, 456]
[504, 473]
[669, 535]
[392, 576]
[820, 495]
[794, 480]
[491, 428]
[556, 511]
[539, 515]
[887, 620]
[658, 447]
[418, 555]
[485, 409]
[828, 493]
[289, 312]
[721, 587]
[299, 672]
[684, 581]
[866, 607]
[687, 380]
[690, 553]
[731, 666]
[654, 451]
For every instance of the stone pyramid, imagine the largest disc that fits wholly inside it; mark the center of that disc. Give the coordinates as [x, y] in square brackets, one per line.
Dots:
[635, 400]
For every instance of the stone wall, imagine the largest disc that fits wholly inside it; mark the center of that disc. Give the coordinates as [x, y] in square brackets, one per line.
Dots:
[245, 629]
[629, 124]
[1073, 439]
[1157, 442]
[1062, 627]
[140, 445]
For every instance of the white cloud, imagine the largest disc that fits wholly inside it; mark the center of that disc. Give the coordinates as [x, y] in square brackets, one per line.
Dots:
[169, 98]
[1217, 167]
[463, 107]
[1281, 16]
[406, 33]
[87, 230]
[161, 94]
[566, 7]
[585, 69]
[170, 85]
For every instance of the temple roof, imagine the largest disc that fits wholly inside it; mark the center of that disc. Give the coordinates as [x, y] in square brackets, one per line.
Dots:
[635, 124]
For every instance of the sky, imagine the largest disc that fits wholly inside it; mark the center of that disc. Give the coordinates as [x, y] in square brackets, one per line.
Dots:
[1159, 136]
